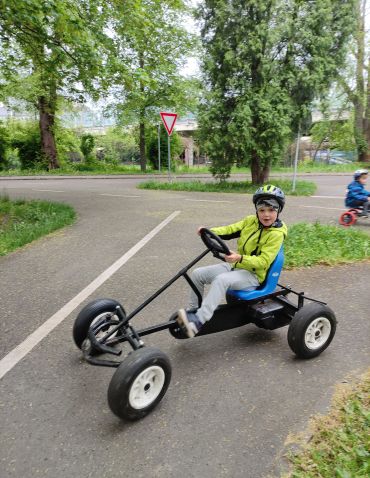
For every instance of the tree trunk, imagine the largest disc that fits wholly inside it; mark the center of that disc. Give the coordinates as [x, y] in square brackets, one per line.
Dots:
[365, 156]
[359, 93]
[260, 173]
[47, 108]
[142, 146]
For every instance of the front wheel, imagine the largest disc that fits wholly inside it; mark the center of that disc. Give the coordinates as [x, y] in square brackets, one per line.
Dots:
[139, 383]
[99, 314]
[311, 330]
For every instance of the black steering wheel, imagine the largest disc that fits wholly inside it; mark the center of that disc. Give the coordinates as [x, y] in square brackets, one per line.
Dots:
[214, 243]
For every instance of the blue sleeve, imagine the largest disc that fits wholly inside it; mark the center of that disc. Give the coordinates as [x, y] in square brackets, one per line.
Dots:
[358, 192]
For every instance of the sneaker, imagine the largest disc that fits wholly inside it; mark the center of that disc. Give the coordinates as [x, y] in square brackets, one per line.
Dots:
[189, 323]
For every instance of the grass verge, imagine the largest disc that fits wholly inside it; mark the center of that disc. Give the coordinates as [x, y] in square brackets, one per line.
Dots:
[21, 221]
[310, 244]
[303, 188]
[340, 441]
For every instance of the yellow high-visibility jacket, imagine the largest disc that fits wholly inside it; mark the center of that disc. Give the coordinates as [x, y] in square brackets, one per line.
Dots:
[258, 245]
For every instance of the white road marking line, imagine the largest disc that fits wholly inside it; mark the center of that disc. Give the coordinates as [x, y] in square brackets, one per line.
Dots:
[119, 195]
[323, 207]
[49, 190]
[328, 197]
[205, 200]
[19, 352]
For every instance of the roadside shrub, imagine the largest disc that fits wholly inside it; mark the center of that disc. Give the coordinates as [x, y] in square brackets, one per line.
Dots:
[87, 146]
[26, 139]
[4, 144]
[117, 146]
[152, 148]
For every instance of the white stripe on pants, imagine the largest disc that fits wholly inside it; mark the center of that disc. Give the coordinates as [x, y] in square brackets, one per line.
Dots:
[221, 278]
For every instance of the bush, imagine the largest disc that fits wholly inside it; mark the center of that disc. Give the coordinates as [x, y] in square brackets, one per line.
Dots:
[4, 144]
[26, 139]
[68, 145]
[117, 146]
[152, 148]
[87, 146]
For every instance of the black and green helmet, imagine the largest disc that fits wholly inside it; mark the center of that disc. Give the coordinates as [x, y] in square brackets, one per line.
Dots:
[269, 191]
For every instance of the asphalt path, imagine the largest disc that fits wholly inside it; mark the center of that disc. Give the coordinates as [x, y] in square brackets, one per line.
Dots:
[235, 397]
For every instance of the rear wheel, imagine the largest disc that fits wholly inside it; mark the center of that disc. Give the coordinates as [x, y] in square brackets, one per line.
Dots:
[311, 330]
[348, 218]
[139, 383]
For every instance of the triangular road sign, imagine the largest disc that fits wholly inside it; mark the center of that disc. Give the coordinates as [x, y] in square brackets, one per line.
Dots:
[169, 120]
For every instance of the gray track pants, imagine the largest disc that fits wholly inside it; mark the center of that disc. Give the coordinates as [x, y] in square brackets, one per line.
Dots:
[221, 278]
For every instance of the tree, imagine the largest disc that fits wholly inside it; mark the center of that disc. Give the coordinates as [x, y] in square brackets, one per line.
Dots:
[358, 92]
[50, 49]
[152, 44]
[264, 63]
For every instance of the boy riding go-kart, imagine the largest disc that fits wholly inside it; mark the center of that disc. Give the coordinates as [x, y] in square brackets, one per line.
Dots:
[247, 278]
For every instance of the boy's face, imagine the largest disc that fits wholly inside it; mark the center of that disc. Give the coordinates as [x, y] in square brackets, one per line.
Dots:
[362, 179]
[267, 215]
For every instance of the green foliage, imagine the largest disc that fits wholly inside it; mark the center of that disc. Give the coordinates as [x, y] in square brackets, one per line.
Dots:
[87, 146]
[117, 146]
[24, 221]
[68, 145]
[340, 442]
[26, 139]
[152, 148]
[4, 144]
[303, 188]
[153, 45]
[52, 49]
[264, 63]
[309, 244]
[339, 134]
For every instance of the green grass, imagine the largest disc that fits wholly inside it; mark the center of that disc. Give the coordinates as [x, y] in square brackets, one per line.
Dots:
[79, 169]
[303, 188]
[310, 244]
[340, 443]
[21, 221]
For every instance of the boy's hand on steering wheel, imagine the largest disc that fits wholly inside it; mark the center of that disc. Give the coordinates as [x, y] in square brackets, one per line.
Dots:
[233, 257]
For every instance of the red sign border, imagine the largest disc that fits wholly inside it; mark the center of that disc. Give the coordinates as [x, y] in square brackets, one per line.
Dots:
[163, 113]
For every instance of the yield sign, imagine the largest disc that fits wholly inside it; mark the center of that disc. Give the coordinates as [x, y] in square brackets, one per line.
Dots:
[169, 120]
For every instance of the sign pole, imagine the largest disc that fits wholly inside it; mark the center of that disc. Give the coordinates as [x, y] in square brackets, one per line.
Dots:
[169, 158]
[296, 156]
[159, 147]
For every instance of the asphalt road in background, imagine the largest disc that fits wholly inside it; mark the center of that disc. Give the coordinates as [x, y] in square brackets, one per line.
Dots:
[234, 396]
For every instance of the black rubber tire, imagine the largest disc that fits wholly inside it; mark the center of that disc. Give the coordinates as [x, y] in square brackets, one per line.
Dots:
[301, 322]
[135, 364]
[88, 314]
[348, 218]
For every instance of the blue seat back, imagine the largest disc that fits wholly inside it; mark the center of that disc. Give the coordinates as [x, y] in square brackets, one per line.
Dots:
[268, 285]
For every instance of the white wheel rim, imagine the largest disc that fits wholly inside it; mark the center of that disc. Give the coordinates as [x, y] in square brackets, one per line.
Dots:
[99, 318]
[317, 333]
[146, 387]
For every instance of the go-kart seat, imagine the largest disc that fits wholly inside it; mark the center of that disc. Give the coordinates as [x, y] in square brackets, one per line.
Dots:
[268, 285]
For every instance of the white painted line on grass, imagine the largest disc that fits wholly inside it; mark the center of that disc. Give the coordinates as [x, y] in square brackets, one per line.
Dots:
[119, 195]
[205, 200]
[49, 190]
[13, 357]
[323, 207]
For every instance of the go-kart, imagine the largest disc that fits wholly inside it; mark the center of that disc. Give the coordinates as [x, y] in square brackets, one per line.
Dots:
[349, 217]
[142, 378]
